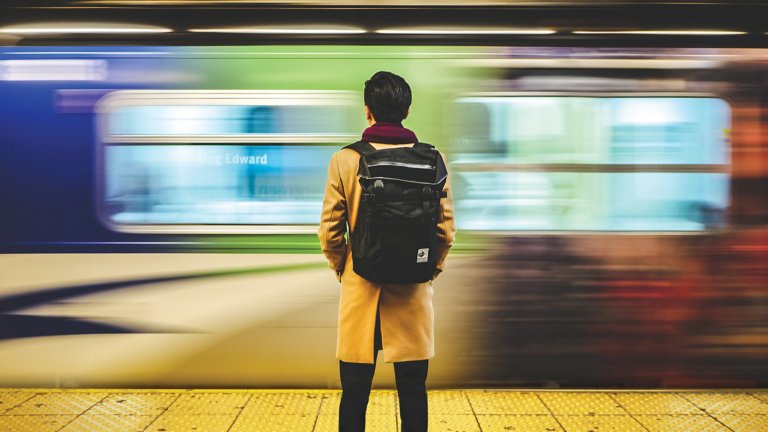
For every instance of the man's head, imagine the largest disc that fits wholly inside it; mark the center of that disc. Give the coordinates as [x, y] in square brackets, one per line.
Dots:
[387, 97]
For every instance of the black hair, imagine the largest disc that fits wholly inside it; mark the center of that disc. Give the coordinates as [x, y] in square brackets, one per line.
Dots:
[388, 97]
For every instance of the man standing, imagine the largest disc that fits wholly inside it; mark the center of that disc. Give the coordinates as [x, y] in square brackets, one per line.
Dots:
[395, 318]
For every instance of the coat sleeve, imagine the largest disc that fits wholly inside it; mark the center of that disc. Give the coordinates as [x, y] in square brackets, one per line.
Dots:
[333, 220]
[446, 226]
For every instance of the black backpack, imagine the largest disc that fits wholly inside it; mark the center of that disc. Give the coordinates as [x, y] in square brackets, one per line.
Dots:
[395, 235]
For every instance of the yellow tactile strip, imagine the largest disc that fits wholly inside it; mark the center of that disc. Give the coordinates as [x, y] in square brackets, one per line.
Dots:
[109, 422]
[680, 422]
[134, 403]
[34, 423]
[58, 403]
[127, 410]
[12, 399]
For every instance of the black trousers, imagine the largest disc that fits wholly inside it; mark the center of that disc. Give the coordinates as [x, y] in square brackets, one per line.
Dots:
[356, 378]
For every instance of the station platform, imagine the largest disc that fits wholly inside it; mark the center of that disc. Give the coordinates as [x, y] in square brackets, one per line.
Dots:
[67, 410]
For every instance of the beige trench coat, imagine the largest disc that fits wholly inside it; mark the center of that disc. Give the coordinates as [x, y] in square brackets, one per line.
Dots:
[406, 313]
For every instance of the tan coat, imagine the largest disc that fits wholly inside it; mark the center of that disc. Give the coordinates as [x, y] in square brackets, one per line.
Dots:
[406, 313]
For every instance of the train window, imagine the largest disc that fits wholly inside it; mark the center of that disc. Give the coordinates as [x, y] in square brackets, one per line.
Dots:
[168, 120]
[177, 161]
[563, 162]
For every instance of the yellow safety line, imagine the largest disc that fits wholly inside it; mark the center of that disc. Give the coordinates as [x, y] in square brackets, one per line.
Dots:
[315, 390]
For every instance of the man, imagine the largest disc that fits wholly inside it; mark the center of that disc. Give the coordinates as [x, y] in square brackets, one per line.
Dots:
[397, 319]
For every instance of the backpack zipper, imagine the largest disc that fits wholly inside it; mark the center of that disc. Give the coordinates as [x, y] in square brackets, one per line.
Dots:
[403, 180]
[402, 164]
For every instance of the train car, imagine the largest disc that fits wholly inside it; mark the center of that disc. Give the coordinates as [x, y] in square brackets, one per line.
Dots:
[162, 176]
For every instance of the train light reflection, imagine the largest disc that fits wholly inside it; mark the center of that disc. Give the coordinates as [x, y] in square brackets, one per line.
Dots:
[53, 70]
[81, 28]
[665, 32]
[465, 31]
[284, 30]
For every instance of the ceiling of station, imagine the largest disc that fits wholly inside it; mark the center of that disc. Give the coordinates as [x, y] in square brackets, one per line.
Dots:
[374, 3]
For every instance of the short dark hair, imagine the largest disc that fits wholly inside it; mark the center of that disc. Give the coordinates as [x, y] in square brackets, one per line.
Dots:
[388, 97]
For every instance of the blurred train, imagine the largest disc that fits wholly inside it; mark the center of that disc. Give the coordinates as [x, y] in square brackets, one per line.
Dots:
[160, 196]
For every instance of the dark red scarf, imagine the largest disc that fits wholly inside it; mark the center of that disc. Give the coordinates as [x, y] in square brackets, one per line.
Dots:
[389, 133]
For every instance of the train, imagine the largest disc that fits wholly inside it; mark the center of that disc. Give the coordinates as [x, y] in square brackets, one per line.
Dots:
[161, 192]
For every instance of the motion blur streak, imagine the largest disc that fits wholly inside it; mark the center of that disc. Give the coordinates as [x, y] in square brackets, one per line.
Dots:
[464, 31]
[667, 32]
[81, 27]
[284, 30]
[53, 70]
[159, 211]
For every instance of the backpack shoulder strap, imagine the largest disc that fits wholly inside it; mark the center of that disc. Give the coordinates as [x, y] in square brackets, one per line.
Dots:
[442, 172]
[424, 149]
[362, 147]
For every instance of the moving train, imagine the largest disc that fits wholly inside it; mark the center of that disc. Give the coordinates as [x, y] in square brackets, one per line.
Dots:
[161, 177]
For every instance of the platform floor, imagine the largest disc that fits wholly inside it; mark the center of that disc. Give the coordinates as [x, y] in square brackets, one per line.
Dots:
[40, 410]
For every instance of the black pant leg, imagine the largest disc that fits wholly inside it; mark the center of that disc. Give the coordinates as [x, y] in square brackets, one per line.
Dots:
[411, 379]
[356, 379]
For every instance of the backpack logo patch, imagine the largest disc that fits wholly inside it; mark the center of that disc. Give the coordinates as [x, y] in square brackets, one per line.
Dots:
[422, 255]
